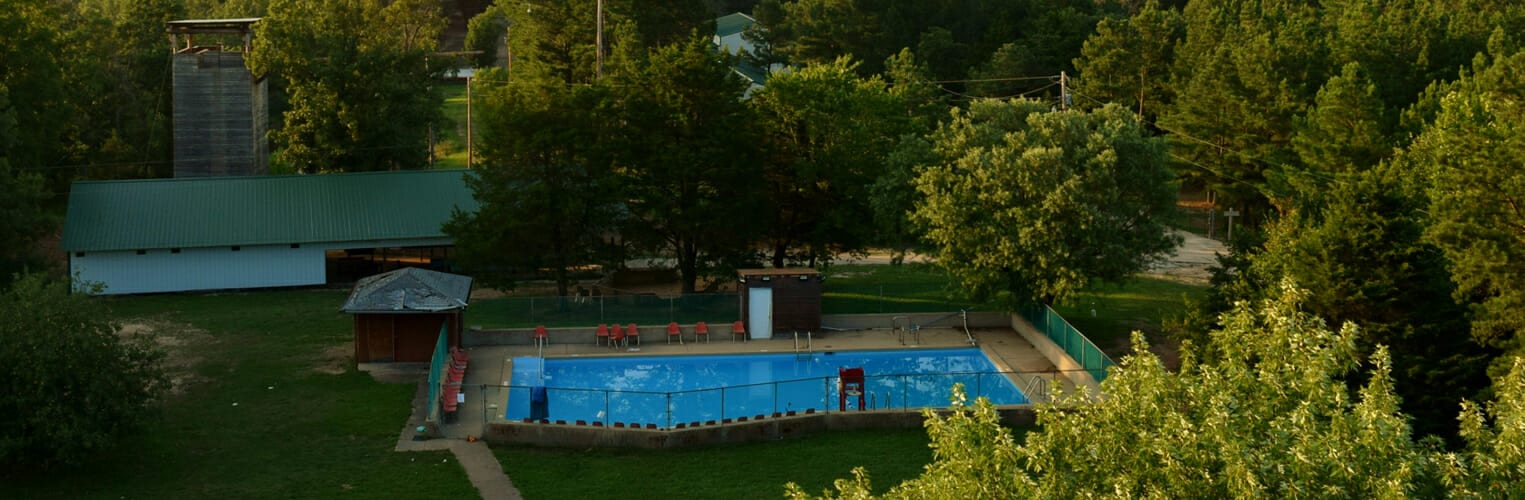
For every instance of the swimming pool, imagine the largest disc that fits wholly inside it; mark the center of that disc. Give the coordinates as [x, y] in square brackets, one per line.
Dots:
[667, 390]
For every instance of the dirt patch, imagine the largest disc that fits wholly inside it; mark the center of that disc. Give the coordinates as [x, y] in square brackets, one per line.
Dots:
[181, 344]
[335, 360]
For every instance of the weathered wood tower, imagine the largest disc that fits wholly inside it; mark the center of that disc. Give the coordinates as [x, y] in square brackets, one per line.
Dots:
[220, 109]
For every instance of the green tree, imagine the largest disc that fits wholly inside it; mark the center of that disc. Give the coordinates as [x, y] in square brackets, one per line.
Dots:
[826, 132]
[73, 391]
[359, 80]
[1360, 251]
[686, 157]
[1346, 131]
[1473, 152]
[542, 185]
[1051, 40]
[1243, 73]
[1029, 205]
[486, 33]
[23, 217]
[1129, 60]
[1268, 414]
[552, 41]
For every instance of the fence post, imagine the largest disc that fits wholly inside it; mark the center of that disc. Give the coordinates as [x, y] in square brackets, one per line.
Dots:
[606, 407]
[601, 309]
[669, 410]
[722, 404]
[825, 394]
[484, 405]
[905, 394]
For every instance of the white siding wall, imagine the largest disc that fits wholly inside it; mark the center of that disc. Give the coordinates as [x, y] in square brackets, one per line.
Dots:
[210, 268]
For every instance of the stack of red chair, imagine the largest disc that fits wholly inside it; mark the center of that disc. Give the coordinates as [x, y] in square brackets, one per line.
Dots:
[454, 376]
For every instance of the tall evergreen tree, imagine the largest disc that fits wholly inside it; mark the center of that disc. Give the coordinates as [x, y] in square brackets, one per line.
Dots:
[1346, 131]
[825, 133]
[1129, 60]
[686, 158]
[1473, 152]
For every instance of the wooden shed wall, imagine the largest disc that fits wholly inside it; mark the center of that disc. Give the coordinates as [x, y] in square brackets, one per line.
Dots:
[796, 302]
[402, 338]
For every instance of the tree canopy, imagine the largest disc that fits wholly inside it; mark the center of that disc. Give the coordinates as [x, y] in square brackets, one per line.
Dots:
[359, 81]
[1025, 204]
[72, 386]
[1267, 413]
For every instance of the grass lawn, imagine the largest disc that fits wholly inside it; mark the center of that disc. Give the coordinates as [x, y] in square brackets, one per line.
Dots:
[304, 425]
[450, 141]
[865, 289]
[1140, 304]
[756, 470]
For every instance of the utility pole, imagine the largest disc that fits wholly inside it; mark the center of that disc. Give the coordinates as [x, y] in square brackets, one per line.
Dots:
[1064, 91]
[468, 122]
[598, 39]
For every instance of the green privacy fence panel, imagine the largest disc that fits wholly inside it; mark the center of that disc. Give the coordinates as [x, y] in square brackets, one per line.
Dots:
[437, 371]
[1075, 344]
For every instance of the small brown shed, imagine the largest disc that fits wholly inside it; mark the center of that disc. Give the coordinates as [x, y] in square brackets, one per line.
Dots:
[775, 300]
[398, 314]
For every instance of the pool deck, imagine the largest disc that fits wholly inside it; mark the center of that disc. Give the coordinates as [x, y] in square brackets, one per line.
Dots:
[491, 367]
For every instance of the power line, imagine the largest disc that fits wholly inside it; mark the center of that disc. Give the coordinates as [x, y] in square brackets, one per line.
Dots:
[1222, 148]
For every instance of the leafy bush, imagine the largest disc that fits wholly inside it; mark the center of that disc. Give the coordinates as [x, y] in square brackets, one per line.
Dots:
[72, 385]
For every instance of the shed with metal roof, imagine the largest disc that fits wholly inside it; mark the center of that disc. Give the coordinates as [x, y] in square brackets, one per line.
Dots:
[399, 314]
[211, 233]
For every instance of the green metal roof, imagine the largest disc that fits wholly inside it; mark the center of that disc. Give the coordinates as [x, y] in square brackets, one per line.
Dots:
[224, 211]
[733, 23]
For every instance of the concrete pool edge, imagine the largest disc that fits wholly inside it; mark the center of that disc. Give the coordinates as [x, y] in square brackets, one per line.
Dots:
[572, 435]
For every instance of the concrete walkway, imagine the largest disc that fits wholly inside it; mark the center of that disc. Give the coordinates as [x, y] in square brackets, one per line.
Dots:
[481, 466]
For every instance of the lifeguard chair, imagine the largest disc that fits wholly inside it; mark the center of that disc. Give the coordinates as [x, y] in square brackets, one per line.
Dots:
[849, 383]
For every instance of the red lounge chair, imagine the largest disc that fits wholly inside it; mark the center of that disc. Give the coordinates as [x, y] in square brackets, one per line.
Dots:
[674, 331]
[601, 335]
[632, 332]
[616, 335]
[738, 329]
[703, 330]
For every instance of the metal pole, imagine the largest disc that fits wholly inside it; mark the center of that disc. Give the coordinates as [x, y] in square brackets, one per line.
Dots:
[468, 122]
[598, 71]
[669, 410]
[606, 407]
[722, 403]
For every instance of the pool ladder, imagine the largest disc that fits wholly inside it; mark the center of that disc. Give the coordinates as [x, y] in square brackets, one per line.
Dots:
[908, 328]
[809, 348]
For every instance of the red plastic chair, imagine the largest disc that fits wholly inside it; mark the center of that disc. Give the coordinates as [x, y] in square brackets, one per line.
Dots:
[616, 335]
[702, 329]
[738, 328]
[674, 331]
[601, 335]
[540, 335]
[632, 332]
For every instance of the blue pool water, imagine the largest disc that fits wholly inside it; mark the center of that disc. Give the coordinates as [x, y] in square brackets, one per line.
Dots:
[666, 390]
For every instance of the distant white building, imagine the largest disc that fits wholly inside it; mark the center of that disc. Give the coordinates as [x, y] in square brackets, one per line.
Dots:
[728, 37]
